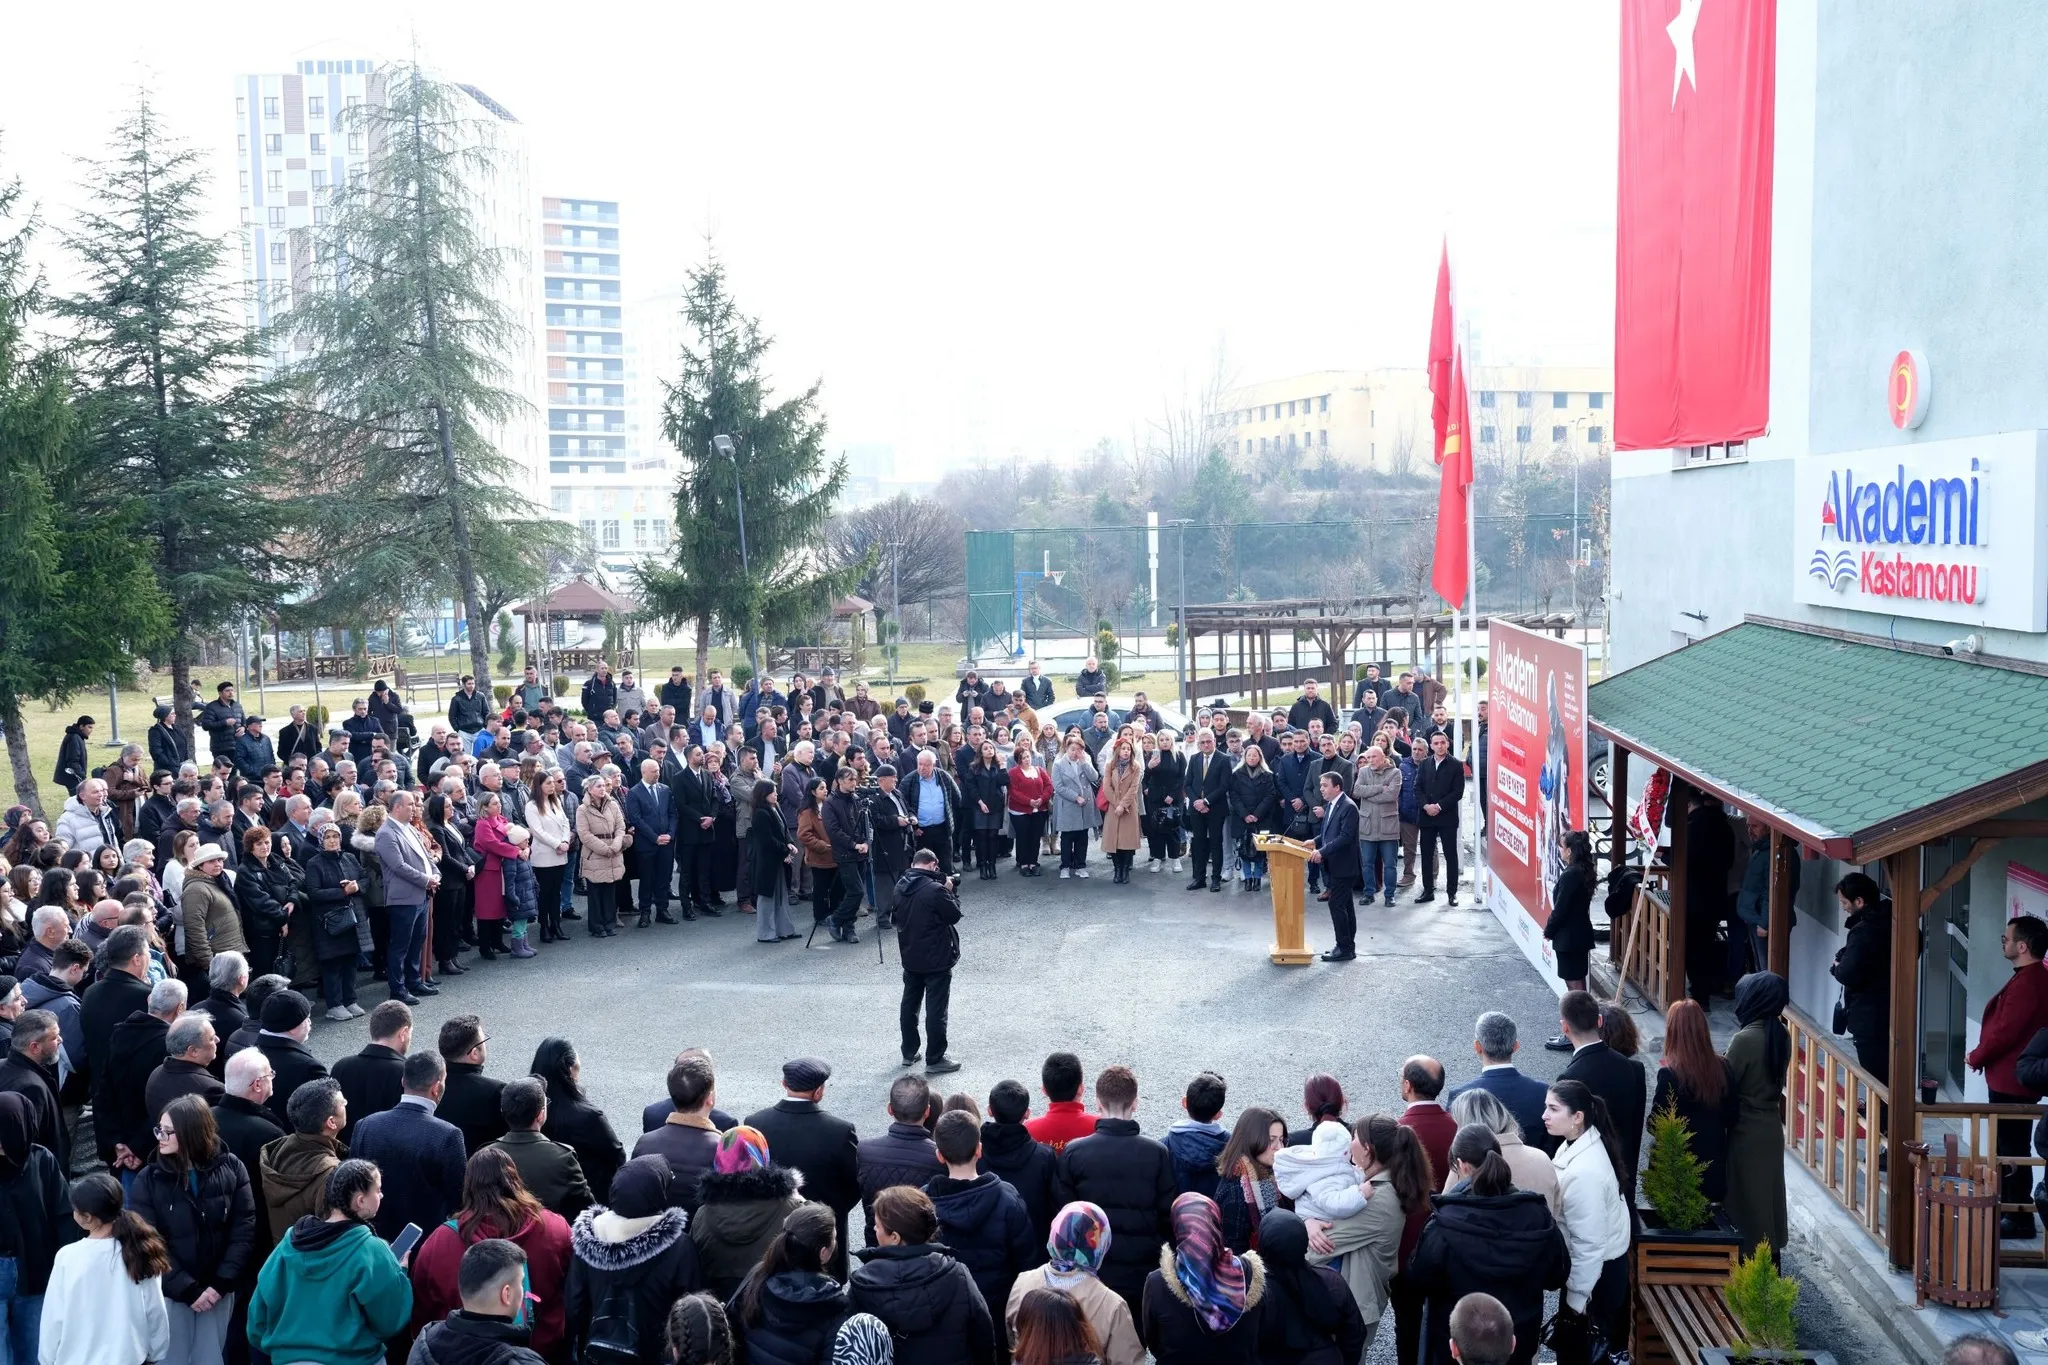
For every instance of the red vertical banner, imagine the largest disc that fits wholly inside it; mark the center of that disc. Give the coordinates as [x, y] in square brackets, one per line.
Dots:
[1692, 272]
[1535, 775]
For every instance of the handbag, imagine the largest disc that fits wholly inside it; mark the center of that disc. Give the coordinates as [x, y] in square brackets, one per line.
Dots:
[1840, 1022]
[1101, 799]
[1575, 1338]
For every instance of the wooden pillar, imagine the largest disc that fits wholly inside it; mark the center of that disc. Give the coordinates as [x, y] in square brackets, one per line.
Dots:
[1674, 944]
[1617, 815]
[1902, 1115]
[1783, 851]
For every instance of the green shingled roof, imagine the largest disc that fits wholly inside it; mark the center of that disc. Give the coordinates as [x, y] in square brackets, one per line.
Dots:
[1843, 740]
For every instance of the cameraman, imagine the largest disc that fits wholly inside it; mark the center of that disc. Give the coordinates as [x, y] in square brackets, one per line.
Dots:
[927, 908]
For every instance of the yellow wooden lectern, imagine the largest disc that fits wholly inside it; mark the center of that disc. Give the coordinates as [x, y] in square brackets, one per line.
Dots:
[1287, 863]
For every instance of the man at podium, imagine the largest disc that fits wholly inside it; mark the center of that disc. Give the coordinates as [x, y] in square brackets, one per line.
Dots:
[1336, 848]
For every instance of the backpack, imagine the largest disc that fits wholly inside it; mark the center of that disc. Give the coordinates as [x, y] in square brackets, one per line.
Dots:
[614, 1329]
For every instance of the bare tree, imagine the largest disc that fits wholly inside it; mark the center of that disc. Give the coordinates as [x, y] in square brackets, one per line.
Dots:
[1401, 450]
[1190, 424]
[921, 541]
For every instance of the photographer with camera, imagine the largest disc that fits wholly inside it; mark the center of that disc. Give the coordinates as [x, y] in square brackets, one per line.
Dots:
[927, 908]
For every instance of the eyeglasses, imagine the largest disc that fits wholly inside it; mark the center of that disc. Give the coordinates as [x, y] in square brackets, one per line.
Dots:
[164, 1130]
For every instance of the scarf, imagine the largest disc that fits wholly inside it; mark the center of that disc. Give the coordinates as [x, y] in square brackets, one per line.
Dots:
[1210, 1273]
[1308, 1317]
[1079, 1240]
[862, 1340]
[740, 1149]
[1764, 995]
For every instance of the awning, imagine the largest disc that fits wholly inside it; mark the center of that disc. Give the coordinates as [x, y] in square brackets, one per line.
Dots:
[1856, 749]
[578, 598]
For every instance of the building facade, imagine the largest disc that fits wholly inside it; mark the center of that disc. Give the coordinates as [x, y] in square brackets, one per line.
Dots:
[1904, 229]
[296, 146]
[609, 472]
[1379, 419]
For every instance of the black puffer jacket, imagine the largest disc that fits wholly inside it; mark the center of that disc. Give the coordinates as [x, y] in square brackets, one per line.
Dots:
[350, 934]
[210, 1231]
[1009, 1150]
[988, 1229]
[651, 1268]
[800, 1315]
[928, 1302]
[926, 911]
[1506, 1245]
[905, 1155]
[1131, 1177]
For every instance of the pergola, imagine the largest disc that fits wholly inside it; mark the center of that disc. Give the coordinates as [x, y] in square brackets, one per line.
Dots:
[1335, 625]
[585, 603]
[1821, 736]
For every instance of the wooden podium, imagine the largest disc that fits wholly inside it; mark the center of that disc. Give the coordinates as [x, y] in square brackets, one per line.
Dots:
[1287, 864]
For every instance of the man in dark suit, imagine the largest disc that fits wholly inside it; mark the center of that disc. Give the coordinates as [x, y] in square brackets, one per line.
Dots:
[421, 1155]
[287, 1023]
[549, 1169]
[469, 1099]
[1440, 785]
[1208, 794]
[696, 812]
[373, 1079]
[1612, 1077]
[650, 811]
[1337, 852]
[1494, 1039]
[823, 1146]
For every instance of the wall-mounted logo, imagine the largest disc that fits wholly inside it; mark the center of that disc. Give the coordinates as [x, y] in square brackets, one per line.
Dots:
[1907, 389]
[1838, 573]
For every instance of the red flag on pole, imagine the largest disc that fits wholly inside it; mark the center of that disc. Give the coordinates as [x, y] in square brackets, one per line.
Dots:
[1440, 355]
[1451, 569]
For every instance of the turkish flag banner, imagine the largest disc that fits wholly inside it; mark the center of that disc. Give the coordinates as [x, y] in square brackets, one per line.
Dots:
[1692, 271]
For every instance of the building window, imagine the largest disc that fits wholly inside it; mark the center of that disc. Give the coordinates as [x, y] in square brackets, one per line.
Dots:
[319, 180]
[1290, 443]
[1247, 445]
[354, 102]
[661, 533]
[1596, 400]
[241, 107]
[1560, 434]
[1522, 434]
[1525, 400]
[316, 145]
[1560, 400]
[1290, 409]
[355, 144]
[245, 184]
[241, 144]
[316, 106]
[277, 253]
[1596, 435]
[639, 533]
[277, 217]
[1486, 400]
[611, 534]
[321, 213]
[1323, 403]
[274, 181]
[1487, 435]
[1262, 445]
[270, 106]
[1323, 438]
[1689, 457]
[559, 499]
[273, 144]
[589, 532]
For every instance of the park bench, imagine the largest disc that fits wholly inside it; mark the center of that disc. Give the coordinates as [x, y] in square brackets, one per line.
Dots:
[1681, 1303]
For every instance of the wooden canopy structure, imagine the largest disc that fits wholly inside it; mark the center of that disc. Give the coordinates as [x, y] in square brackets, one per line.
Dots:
[586, 603]
[1835, 762]
[1334, 625]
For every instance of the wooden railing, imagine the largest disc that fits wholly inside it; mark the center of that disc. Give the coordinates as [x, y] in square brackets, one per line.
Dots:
[334, 666]
[1975, 1127]
[1637, 943]
[1834, 1123]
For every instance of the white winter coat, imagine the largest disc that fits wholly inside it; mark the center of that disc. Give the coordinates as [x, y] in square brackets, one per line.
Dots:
[1596, 1223]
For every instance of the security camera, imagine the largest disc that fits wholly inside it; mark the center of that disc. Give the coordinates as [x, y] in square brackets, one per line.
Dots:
[1968, 645]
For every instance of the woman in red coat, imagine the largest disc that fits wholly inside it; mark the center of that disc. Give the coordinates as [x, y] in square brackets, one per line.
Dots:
[488, 890]
[1029, 797]
[495, 1199]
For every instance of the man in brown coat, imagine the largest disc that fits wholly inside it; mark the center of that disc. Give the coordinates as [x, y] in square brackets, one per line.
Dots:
[296, 1166]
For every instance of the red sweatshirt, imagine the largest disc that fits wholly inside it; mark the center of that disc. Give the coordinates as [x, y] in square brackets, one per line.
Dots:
[2011, 1019]
[1060, 1124]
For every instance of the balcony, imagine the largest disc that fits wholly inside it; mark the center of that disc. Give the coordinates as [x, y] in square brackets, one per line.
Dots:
[585, 348]
[604, 293]
[567, 215]
[567, 268]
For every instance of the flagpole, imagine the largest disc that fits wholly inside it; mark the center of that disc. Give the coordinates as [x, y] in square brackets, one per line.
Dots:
[1479, 766]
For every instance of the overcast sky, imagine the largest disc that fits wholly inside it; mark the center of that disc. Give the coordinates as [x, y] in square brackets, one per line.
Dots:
[994, 232]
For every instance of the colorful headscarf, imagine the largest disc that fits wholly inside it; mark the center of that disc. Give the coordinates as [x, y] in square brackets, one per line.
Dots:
[1208, 1270]
[1080, 1238]
[740, 1149]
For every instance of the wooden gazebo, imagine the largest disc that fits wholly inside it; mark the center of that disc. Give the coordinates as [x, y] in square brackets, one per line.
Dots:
[585, 603]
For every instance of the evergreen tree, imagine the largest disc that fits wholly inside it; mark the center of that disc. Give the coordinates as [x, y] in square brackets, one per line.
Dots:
[787, 483]
[405, 380]
[175, 423]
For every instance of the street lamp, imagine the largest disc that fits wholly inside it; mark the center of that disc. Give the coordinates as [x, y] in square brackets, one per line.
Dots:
[722, 445]
[1180, 655]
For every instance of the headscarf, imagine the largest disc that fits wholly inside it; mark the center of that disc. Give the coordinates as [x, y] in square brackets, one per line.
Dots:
[740, 1148]
[1079, 1240]
[17, 1131]
[863, 1340]
[1210, 1273]
[1308, 1316]
[1764, 995]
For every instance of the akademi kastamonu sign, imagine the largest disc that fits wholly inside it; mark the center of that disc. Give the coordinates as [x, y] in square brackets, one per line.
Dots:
[1535, 773]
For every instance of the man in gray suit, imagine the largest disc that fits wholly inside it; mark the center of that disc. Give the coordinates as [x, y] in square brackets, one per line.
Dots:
[410, 879]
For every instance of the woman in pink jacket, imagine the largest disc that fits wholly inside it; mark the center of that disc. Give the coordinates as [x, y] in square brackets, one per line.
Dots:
[488, 889]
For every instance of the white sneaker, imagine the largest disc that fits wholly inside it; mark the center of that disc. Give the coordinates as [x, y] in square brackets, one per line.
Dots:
[1066, 872]
[1081, 872]
[2031, 1341]
[1177, 865]
[340, 1014]
[356, 1011]
[1156, 865]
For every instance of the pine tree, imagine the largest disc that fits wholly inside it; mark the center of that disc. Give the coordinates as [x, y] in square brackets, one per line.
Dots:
[788, 486]
[175, 423]
[405, 379]
[1675, 1180]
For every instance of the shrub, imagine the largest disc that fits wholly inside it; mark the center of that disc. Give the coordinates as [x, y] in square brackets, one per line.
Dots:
[559, 684]
[1112, 674]
[742, 674]
[1173, 635]
[1673, 1180]
[508, 645]
[502, 691]
[1475, 668]
[316, 716]
[1106, 646]
[1761, 1301]
[916, 694]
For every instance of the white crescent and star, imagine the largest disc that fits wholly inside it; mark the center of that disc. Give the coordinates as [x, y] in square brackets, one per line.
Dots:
[1681, 31]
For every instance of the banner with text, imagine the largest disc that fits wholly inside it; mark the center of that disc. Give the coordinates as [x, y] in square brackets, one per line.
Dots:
[1535, 774]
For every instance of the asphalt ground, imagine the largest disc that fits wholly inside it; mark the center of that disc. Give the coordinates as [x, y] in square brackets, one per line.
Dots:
[1166, 981]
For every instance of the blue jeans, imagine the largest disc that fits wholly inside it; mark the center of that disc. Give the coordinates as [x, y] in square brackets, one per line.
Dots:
[1381, 860]
[21, 1317]
[569, 878]
[408, 941]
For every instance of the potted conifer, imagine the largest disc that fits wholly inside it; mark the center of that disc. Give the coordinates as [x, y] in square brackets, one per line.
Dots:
[1674, 1184]
[1760, 1300]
